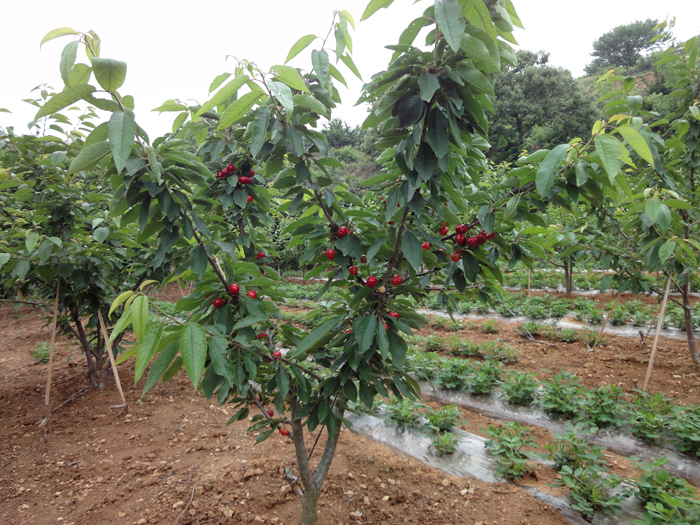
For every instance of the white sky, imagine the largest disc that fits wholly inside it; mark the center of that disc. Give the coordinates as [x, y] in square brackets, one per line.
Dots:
[174, 49]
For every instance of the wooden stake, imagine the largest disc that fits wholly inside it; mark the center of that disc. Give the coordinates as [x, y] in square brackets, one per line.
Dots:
[651, 323]
[111, 359]
[602, 328]
[47, 395]
[658, 331]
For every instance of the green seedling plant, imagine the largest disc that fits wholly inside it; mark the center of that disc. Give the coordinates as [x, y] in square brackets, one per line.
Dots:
[649, 415]
[455, 374]
[655, 481]
[423, 365]
[684, 424]
[499, 351]
[603, 406]
[573, 449]
[485, 377]
[569, 335]
[590, 490]
[507, 444]
[445, 418]
[671, 510]
[562, 395]
[519, 388]
[444, 443]
[41, 352]
[490, 327]
[405, 412]
[460, 347]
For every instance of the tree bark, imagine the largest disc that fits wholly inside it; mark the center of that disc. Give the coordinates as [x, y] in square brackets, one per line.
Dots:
[94, 365]
[689, 321]
[568, 277]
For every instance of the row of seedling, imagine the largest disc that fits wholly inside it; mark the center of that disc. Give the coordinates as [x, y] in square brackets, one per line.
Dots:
[496, 350]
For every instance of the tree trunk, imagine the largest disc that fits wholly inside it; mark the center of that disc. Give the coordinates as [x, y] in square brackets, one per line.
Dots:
[312, 483]
[568, 275]
[94, 362]
[689, 322]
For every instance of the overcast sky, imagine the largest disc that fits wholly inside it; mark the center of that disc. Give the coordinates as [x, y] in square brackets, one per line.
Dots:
[174, 50]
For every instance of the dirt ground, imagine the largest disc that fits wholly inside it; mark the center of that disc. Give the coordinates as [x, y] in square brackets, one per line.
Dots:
[170, 458]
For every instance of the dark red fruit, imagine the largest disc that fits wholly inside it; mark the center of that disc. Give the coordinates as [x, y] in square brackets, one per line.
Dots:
[363, 259]
[371, 281]
[391, 222]
[393, 314]
[425, 245]
[252, 294]
[234, 289]
[260, 255]
[342, 232]
[461, 228]
[396, 280]
[330, 254]
[490, 236]
[218, 302]
[249, 198]
[348, 331]
[271, 413]
[386, 326]
[262, 336]
[276, 355]
[444, 230]
[284, 431]
[252, 174]
[231, 167]
[481, 239]
[455, 257]
[460, 239]
[472, 241]
[353, 270]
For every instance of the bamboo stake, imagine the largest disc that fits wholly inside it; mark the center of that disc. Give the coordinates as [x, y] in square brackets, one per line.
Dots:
[602, 328]
[658, 331]
[651, 323]
[47, 395]
[111, 360]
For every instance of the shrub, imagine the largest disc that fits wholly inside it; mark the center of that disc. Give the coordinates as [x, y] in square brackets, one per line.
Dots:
[404, 411]
[499, 351]
[519, 388]
[507, 444]
[444, 418]
[561, 395]
[444, 443]
[490, 327]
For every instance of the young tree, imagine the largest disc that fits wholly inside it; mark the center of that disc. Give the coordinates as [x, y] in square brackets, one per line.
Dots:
[624, 45]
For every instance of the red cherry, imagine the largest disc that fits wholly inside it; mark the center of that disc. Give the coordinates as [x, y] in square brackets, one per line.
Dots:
[490, 236]
[284, 431]
[480, 270]
[348, 331]
[455, 257]
[234, 289]
[231, 167]
[363, 259]
[445, 204]
[342, 231]
[444, 224]
[391, 222]
[260, 255]
[481, 239]
[396, 280]
[460, 239]
[444, 230]
[271, 413]
[330, 254]
[386, 326]
[252, 174]
[472, 241]
[351, 232]
[353, 270]
[276, 355]
[394, 315]
[371, 281]
[461, 228]
[425, 245]
[252, 294]
[249, 198]
[262, 336]
[218, 302]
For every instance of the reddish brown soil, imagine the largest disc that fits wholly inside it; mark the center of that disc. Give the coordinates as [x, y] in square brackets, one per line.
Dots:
[171, 458]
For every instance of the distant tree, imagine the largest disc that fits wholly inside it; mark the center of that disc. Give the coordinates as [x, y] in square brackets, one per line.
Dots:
[537, 106]
[340, 134]
[624, 45]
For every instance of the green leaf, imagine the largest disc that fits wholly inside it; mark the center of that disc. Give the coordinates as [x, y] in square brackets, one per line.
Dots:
[608, 149]
[475, 48]
[317, 336]
[121, 325]
[30, 240]
[170, 105]
[299, 46]
[199, 261]
[367, 338]
[260, 124]
[139, 315]
[448, 14]
[69, 95]
[121, 132]
[218, 81]
[4, 257]
[147, 347]
[549, 168]
[110, 73]
[119, 300]
[68, 60]
[289, 76]
[61, 31]
[238, 108]
[193, 349]
[218, 352]
[652, 207]
[347, 60]
[224, 93]
[283, 94]
[412, 250]
[89, 157]
[374, 6]
[428, 84]
[666, 250]
[634, 139]
[321, 64]
[161, 364]
[336, 75]
[438, 135]
[310, 102]
[679, 204]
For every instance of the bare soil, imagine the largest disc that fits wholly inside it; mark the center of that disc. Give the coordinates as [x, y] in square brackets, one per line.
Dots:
[170, 458]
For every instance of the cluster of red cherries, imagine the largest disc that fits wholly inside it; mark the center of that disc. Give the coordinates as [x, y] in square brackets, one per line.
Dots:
[230, 170]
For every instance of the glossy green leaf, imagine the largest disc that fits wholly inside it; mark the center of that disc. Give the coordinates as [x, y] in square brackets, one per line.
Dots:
[299, 46]
[68, 60]
[608, 149]
[289, 76]
[348, 61]
[448, 14]
[315, 337]
[121, 132]
[161, 364]
[652, 207]
[366, 339]
[56, 33]
[548, 169]
[634, 139]
[321, 64]
[428, 84]
[69, 95]
[225, 93]
[119, 300]
[238, 109]
[193, 349]
[170, 105]
[30, 240]
[374, 6]
[411, 247]
[283, 94]
[109, 73]
[90, 156]
[666, 250]
[147, 347]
